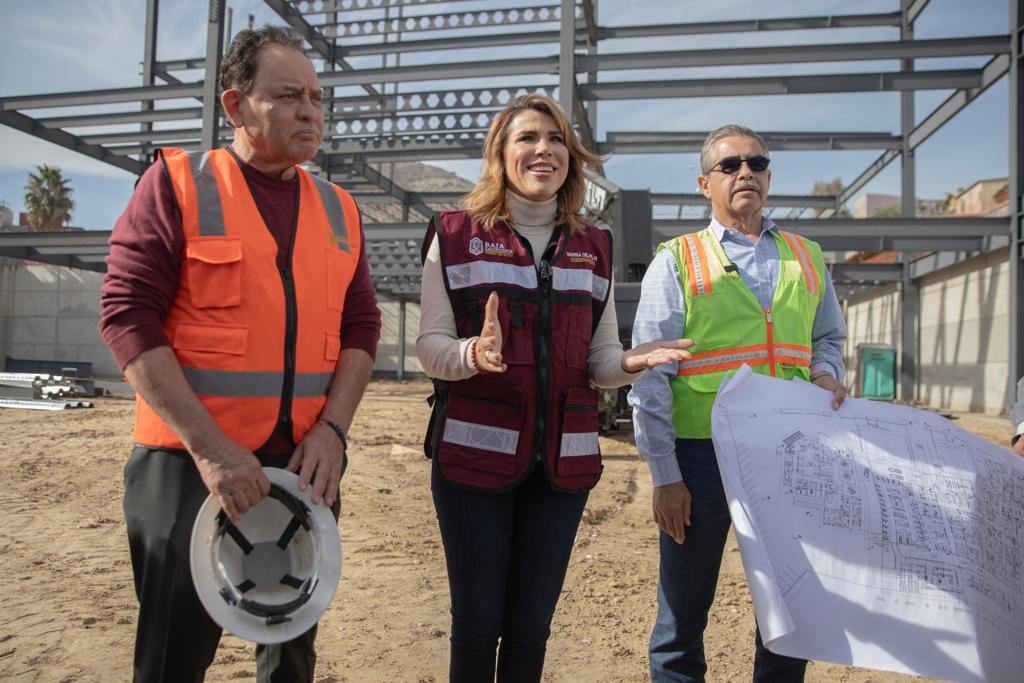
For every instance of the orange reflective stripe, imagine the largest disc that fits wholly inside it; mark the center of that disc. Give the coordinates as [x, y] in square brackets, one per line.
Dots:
[698, 264]
[702, 256]
[692, 275]
[810, 264]
[799, 257]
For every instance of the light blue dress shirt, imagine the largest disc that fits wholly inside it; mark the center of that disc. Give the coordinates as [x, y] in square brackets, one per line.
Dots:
[661, 314]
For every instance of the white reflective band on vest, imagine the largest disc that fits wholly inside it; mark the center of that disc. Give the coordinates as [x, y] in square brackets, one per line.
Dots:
[805, 355]
[579, 443]
[477, 273]
[724, 358]
[698, 265]
[484, 437]
[579, 279]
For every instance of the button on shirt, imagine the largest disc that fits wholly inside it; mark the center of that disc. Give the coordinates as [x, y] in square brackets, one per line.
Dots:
[661, 315]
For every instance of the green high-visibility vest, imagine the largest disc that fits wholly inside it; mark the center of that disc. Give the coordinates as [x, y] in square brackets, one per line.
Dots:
[729, 327]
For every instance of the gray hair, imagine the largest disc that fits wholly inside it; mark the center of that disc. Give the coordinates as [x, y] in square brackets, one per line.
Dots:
[238, 68]
[707, 151]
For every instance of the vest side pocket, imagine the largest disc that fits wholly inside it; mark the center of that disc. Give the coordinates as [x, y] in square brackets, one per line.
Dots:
[214, 271]
[579, 451]
[482, 431]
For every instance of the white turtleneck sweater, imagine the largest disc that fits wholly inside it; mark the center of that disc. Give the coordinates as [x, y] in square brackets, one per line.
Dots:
[445, 356]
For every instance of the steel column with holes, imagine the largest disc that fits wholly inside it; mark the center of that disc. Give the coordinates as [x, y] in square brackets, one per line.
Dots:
[210, 138]
[909, 294]
[1015, 201]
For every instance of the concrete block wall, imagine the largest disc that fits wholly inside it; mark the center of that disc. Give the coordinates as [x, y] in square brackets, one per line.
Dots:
[387, 350]
[53, 314]
[963, 335]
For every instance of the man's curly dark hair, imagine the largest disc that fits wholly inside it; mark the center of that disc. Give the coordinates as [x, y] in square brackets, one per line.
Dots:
[238, 68]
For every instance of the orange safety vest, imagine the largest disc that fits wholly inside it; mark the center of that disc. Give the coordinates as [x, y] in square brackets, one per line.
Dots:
[259, 345]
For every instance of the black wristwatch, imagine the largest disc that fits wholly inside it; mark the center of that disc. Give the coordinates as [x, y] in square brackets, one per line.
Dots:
[337, 430]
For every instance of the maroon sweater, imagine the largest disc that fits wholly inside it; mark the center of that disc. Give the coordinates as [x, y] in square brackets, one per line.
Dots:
[146, 248]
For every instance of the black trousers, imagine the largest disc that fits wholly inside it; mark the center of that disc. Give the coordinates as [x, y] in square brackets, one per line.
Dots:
[176, 640]
[507, 554]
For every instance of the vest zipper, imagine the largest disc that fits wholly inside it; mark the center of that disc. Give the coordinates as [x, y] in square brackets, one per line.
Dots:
[284, 417]
[771, 341]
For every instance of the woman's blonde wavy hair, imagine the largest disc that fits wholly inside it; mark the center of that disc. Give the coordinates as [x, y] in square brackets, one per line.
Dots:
[486, 202]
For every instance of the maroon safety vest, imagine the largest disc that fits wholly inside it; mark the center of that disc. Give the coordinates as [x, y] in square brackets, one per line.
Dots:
[489, 431]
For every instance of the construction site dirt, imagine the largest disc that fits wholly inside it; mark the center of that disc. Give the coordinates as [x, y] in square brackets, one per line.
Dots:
[69, 604]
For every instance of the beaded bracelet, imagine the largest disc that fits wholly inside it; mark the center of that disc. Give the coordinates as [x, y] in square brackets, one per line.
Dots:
[474, 361]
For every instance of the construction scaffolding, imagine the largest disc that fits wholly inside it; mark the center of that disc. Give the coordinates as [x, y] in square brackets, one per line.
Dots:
[440, 111]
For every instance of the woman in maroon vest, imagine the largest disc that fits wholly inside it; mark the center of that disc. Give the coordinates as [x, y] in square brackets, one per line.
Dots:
[517, 322]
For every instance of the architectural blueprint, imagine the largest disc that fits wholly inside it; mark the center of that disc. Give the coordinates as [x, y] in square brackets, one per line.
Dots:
[877, 535]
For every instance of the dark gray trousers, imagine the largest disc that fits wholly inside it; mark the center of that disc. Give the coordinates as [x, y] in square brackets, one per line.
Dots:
[176, 640]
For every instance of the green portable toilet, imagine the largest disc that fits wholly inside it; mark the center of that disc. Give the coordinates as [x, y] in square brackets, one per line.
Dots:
[876, 375]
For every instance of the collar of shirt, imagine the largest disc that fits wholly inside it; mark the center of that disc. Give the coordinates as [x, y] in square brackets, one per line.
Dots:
[721, 232]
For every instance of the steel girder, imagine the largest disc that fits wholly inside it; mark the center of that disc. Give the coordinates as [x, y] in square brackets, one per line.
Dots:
[875, 234]
[29, 125]
[664, 142]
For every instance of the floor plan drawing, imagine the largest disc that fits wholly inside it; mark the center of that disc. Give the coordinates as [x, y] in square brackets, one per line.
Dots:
[877, 535]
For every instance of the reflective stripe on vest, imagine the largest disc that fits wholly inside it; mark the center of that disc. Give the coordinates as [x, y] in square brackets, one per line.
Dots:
[211, 214]
[230, 383]
[730, 359]
[484, 437]
[796, 243]
[579, 444]
[335, 213]
[579, 279]
[476, 273]
[696, 265]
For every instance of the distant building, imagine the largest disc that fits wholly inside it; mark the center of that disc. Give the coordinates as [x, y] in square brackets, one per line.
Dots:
[869, 205]
[985, 198]
[6, 216]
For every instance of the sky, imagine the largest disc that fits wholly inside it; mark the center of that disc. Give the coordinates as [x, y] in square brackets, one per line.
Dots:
[99, 44]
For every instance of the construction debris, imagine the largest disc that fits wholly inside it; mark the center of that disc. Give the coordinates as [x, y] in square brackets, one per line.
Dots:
[43, 404]
[46, 386]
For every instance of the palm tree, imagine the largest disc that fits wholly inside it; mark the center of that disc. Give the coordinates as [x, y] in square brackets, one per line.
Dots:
[48, 199]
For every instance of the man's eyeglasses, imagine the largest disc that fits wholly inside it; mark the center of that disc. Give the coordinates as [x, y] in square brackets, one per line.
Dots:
[731, 165]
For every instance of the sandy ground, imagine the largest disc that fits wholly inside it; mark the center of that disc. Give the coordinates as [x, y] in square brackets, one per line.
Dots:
[68, 605]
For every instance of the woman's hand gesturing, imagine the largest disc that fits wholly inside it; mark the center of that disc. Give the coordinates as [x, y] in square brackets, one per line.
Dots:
[487, 348]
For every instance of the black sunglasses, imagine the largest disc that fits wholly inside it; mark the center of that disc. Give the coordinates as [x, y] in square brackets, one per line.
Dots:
[730, 165]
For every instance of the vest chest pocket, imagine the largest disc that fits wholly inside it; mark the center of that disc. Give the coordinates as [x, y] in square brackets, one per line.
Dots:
[576, 338]
[517, 331]
[579, 451]
[213, 271]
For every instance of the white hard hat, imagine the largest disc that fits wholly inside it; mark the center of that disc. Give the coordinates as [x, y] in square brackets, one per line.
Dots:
[270, 578]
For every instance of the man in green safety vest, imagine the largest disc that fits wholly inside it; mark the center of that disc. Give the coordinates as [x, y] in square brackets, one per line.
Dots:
[746, 292]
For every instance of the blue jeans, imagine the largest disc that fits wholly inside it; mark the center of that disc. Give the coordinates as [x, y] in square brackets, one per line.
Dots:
[507, 554]
[689, 575]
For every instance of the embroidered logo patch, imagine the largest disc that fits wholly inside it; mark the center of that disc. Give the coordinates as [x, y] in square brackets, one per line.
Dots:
[582, 257]
[497, 249]
[476, 246]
